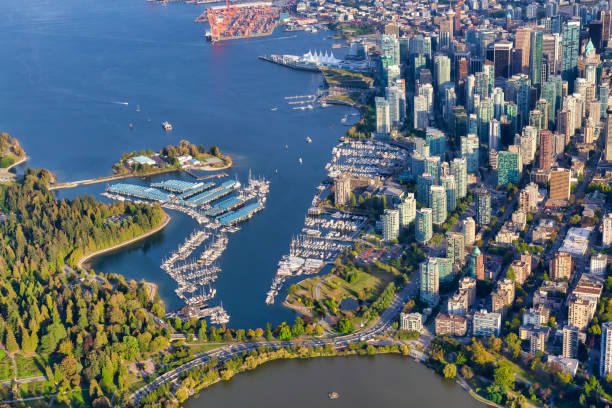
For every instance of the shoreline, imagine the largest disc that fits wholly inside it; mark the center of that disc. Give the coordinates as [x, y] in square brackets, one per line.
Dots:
[7, 175]
[83, 261]
[72, 184]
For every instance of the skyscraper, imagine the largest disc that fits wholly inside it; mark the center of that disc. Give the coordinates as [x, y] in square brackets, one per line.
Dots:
[383, 118]
[545, 158]
[423, 225]
[469, 151]
[459, 171]
[469, 230]
[430, 282]
[342, 189]
[605, 360]
[424, 181]
[437, 202]
[455, 246]
[571, 48]
[407, 210]
[508, 168]
[420, 113]
[522, 42]
[608, 148]
[442, 69]
[448, 182]
[606, 236]
[483, 208]
[390, 219]
[535, 58]
[391, 48]
[549, 93]
[502, 58]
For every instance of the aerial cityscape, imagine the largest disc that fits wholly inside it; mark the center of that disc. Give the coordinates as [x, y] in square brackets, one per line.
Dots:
[402, 202]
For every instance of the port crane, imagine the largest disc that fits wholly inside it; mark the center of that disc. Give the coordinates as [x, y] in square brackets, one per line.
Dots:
[218, 27]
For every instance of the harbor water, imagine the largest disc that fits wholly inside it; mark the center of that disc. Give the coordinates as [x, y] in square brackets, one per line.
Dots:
[378, 381]
[76, 72]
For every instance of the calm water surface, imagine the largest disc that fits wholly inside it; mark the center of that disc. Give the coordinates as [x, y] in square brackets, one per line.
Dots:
[382, 381]
[73, 74]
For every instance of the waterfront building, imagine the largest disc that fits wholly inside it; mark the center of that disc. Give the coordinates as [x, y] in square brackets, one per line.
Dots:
[605, 351]
[469, 151]
[477, 265]
[560, 184]
[391, 225]
[486, 324]
[342, 189]
[450, 325]
[459, 171]
[469, 230]
[508, 167]
[483, 208]
[383, 118]
[606, 238]
[411, 322]
[448, 182]
[430, 282]
[407, 210]
[393, 97]
[598, 264]
[571, 48]
[570, 341]
[561, 266]
[437, 202]
[423, 225]
[455, 246]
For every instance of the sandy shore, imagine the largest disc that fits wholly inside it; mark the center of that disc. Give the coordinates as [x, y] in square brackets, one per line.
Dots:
[82, 262]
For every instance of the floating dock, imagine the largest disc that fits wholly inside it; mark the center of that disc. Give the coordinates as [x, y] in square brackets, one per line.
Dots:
[224, 206]
[242, 214]
[134, 190]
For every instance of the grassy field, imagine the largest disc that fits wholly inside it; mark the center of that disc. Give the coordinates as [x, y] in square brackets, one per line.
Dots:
[204, 347]
[28, 367]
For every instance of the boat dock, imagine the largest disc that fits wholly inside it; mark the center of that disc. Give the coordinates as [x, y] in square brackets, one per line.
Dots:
[234, 217]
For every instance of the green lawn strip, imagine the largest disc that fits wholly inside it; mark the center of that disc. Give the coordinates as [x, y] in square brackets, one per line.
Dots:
[28, 367]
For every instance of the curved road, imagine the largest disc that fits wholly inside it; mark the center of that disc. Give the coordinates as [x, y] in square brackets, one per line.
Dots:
[381, 324]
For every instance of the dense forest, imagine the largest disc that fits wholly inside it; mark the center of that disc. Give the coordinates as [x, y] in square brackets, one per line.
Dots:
[80, 328]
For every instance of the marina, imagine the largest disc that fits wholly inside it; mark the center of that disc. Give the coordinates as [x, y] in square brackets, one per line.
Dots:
[216, 219]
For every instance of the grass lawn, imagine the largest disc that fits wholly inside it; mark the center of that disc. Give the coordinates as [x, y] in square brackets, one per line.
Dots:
[6, 368]
[204, 347]
[28, 367]
[368, 284]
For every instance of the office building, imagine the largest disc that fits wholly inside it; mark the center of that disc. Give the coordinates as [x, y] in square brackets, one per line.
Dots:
[423, 225]
[420, 112]
[522, 43]
[608, 146]
[442, 70]
[535, 58]
[502, 59]
[508, 167]
[545, 159]
[571, 49]
[390, 221]
[469, 151]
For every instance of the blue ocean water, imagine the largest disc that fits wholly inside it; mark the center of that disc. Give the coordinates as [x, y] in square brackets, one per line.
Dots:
[73, 73]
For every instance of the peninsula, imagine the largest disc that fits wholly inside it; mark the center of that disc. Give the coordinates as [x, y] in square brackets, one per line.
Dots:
[11, 155]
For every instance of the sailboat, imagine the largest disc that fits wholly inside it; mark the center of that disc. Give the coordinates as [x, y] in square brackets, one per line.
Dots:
[300, 160]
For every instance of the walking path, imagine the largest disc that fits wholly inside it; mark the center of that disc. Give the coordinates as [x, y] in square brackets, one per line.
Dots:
[161, 226]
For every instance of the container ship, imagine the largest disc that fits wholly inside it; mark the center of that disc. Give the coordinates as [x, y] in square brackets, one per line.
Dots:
[244, 20]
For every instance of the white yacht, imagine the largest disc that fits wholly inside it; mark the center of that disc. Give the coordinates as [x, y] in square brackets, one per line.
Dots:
[167, 126]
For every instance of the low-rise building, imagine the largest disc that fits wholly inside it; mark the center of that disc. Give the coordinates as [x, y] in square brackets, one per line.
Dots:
[537, 315]
[450, 325]
[411, 322]
[486, 324]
